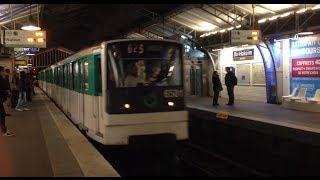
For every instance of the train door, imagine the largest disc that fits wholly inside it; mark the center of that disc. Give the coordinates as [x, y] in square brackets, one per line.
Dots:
[81, 96]
[66, 88]
[195, 80]
[97, 100]
[85, 97]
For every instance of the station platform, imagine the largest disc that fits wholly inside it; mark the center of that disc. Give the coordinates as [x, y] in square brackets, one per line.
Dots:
[261, 112]
[280, 141]
[47, 144]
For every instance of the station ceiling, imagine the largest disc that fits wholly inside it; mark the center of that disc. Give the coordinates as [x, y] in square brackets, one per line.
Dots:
[77, 26]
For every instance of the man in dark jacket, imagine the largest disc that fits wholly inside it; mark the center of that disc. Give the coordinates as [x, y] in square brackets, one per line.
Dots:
[231, 81]
[217, 87]
[3, 98]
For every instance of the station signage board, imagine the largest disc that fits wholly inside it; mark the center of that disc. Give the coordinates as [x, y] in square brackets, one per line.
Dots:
[246, 54]
[242, 37]
[28, 49]
[22, 38]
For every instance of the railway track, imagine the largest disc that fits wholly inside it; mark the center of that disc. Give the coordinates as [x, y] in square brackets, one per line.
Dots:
[194, 160]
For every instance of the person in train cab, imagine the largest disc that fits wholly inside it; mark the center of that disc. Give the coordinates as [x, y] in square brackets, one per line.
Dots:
[132, 79]
[217, 87]
[22, 87]
[7, 79]
[231, 81]
[3, 97]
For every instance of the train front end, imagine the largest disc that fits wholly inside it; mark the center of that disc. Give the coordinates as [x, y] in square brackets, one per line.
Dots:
[143, 89]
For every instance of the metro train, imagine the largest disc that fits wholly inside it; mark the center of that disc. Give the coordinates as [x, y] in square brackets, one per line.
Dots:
[121, 88]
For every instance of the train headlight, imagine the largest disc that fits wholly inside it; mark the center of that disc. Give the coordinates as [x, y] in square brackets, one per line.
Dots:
[171, 103]
[127, 106]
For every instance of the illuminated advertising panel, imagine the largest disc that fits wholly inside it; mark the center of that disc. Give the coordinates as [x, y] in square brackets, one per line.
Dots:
[305, 63]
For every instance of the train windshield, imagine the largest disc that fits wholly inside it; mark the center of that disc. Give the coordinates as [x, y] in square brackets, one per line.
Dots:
[144, 63]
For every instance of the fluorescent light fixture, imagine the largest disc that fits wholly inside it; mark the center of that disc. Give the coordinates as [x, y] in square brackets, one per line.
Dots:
[239, 26]
[183, 37]
[262, 20]
[285, 14]
[316, 7]
[223, 30]
[30, 54]
[170, 103]
[254, 33]
[230, 28]
[215, 32]
[202, 35]
[273, 18]
[305, 33]
[301, 10]
[245, 45]
[216, 49]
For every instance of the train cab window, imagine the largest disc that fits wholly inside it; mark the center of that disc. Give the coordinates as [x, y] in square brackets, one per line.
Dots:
[85, 67]
[74, 75]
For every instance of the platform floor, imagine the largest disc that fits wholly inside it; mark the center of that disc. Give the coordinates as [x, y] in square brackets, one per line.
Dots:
[46, 143]
[262, 112]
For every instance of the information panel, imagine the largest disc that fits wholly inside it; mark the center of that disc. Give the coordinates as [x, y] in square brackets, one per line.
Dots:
[22, 38]
[258, 74]
[243, 74]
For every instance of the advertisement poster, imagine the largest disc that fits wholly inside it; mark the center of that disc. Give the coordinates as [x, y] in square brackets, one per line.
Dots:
[305, 63]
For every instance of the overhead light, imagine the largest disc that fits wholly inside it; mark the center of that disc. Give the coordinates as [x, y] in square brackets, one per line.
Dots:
[262, 20]
[29, 25]
[239, 26]
[316, 7]
[170, 103]
[273, 18]
[245, 45]
[223, 30]
[183, 37]
[305, 33]
[230, 28]
[215, 32]
[216, 49]
[285, 14]
[301, 10]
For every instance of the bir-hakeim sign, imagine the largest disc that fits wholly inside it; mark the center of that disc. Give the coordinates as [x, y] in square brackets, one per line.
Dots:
[22, 38]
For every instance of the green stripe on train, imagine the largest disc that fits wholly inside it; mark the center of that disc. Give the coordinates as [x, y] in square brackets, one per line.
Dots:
[83, 75]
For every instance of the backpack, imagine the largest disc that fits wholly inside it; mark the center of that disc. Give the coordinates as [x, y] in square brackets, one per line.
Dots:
[235, 80]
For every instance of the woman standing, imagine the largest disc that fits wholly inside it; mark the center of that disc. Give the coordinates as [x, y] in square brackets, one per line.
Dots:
[217, 87]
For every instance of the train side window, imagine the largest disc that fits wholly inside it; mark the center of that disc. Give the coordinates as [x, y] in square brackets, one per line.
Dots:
[65, 75]
[74, 75]
[85, 82]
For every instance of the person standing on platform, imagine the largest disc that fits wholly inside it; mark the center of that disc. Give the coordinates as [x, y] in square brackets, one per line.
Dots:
[231, 81]
[8, 79]
[3, 98]
[22, 101]
[217, 87]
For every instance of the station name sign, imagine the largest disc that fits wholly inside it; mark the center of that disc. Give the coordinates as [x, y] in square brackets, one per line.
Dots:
[247, 54]
[22, 38]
